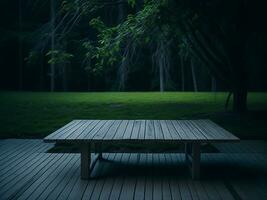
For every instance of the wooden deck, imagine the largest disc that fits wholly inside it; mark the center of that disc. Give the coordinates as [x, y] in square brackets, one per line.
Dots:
[28, 172]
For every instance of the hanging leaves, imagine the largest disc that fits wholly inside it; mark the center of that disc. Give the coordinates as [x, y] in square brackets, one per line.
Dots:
[58, 57]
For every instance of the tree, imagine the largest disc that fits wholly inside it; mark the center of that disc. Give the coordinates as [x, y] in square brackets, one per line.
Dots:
[215, 33]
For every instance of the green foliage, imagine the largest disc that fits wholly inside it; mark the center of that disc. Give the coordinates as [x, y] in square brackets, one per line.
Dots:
[98, 24]
[111, 41]
[67, 6]
[132, 2]
[33, 57]
[84, 7]
[58, 57]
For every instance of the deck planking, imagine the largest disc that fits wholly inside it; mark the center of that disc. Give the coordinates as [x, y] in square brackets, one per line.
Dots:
[39, 175]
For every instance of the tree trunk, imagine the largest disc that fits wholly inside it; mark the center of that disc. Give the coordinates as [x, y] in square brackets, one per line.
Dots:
[120, 13]
[213, 84]
[182, 74]
[194, 75]
[52, 66]
[240, 100]
[64, 77]
[42, 85]
[20, 48]
[161, 78]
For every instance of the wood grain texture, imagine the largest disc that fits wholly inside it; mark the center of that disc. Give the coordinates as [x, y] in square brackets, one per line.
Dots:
[141, 131]
[40, 175]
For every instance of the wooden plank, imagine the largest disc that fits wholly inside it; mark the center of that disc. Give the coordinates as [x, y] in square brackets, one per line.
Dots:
[118, 183]
[12, 148]
[214, 135]
[63, 129]
[32, 173]
[71, 193]
[198, 131]
[223, 191]
[165, 130]
[150, 131]
[23, 172]
[136, 130]
[179, 127]
[18, 155]
[98, 186]
[172, 130]
[109, 182]
[4, 143]
[173, 180]
[201, 193]
[156, 178]
[20, 163]
[158, 131]
[120, 132]
[247, 188]
[94, 131]
[103, 131]
[190, 135]
[66, 133]
[64, 194]
[71, 175]
[13, 163]
[113, 130]
[216, 128]
[166, 190]
[14, 151]
[210, 190]
[78, 189]
[175, 128]
[219, 187]
[185, 186]
[41, 188]
[80, 130]
[149, 180]
[128, 188]
[87, 130]
[128, 132]
[189, 129]
[199, 126]
[141, 181]
[141, 134]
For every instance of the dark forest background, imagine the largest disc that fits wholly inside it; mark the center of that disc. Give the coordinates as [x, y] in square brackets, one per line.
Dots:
[22, 24]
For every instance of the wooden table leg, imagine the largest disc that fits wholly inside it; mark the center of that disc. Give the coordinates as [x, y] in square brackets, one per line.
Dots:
[188, 150]
[196, 160]
[98, 148]
[100, 156]
[85, 161]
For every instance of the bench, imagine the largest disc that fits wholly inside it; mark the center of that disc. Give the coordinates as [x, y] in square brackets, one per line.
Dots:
[94, 133]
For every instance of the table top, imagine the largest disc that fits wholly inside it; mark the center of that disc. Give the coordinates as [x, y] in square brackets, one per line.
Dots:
[141, 130]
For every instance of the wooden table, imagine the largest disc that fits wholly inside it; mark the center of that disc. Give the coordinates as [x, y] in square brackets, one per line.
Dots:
[191, 133]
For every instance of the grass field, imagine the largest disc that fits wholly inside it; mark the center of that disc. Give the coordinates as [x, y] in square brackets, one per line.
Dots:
[34, 115]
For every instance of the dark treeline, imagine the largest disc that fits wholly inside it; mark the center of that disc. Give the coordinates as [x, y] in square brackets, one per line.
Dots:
[25, 63]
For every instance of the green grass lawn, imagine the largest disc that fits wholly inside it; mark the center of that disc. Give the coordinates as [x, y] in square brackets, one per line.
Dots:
[34, 115]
